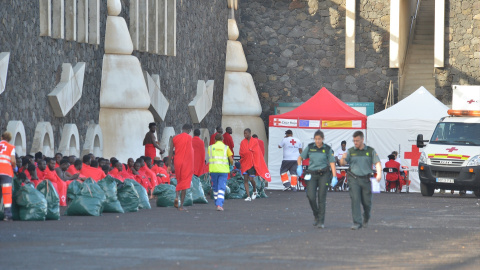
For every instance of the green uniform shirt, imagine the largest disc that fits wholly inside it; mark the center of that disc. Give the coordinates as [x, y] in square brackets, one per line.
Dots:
[319, 157]
[361, 161]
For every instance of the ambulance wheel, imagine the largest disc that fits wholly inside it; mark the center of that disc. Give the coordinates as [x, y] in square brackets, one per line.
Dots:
[477, 193]
[426, 190]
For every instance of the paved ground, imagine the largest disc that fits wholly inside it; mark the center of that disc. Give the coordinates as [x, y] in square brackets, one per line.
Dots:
[407, 231]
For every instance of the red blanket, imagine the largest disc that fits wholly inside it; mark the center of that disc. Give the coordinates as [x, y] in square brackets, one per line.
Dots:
[163, 179]
[116, 174]
[94, 173]
[228, 140]
[59, 185]
[251, 156]
[183, 160]
[212, 138]
[199, 156]
[150, 151]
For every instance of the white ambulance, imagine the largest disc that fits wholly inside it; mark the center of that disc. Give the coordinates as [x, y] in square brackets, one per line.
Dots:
[451, 160]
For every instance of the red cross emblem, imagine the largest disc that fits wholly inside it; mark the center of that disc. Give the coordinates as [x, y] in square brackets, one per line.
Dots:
[471, 101]
[451, 149]
[2, 147]
[414, 155]
[276, 122]
[293, 142]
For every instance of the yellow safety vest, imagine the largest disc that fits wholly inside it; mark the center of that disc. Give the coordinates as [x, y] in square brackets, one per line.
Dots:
[218, 159]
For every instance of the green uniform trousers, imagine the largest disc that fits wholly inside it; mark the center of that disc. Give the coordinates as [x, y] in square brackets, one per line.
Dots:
[360, 190]
[322, 182]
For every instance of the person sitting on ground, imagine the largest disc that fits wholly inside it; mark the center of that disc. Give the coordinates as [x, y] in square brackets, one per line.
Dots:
[71, 159]
[58, 158]
[38, 156]
[18, 165]
[75, 168]
[64, 174]
[94, 163]
[117, 170]
[31, 174]
[160, 171]
[102, 162]
[58, 183]
[146, 165]
[393, 178]
[88, 171]
[141, 176]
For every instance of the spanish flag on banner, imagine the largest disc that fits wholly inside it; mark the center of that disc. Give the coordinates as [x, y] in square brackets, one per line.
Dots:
[342, 124]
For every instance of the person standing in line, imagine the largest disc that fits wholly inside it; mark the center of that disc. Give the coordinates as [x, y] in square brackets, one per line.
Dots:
[199, 153]
[183, 164]
[7, 165]
[151, 143]
[228, 140]
[361, 158]
[219, 130]
[292, 148]
[320, 174]
[220, 160]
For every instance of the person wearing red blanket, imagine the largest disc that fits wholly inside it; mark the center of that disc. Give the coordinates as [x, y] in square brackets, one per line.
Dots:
[58, 183]
[152, 177]
[228, 140]
[212, 138]
[160, 171]
[261, 144]
[183, 163]
[117, 170]
[140, 175]
[198, 153]
[91, 172]
[41, 170]
[58, 158]
[252, 163]
[63, 174]
[151, 143]
[393, 178]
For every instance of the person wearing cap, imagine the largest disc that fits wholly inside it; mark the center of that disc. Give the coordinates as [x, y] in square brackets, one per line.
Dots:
[292, 148]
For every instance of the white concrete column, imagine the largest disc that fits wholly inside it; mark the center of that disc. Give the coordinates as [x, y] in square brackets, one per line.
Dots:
[162, 27]
[45, 17]
[58, 13]
[71, 19]
[350, 34]
[152, 26]
[82, 21]
[394, 33]
[134, 22]
[94, 21]
[439, 33]
[172, 27]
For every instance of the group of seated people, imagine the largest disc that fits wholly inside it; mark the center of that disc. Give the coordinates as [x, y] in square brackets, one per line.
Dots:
[62, 171]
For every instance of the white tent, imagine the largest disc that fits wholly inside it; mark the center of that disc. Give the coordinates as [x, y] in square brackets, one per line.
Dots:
[396, 129]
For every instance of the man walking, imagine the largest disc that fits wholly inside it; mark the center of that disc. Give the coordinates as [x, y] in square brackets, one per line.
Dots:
[7, 164]
[220, 164]
[292, 148]
[183, 163]
[361, 158]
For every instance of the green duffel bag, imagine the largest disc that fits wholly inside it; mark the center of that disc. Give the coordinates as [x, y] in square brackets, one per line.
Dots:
[188, 198]
[144, 202]
[53, 200]
[206, 183]
[165, 195]
[32, 205]
[260, 183]
[127, 196]
[89, 202]
[197, 191]
[74, 189]
[109, 186]
[173, 182]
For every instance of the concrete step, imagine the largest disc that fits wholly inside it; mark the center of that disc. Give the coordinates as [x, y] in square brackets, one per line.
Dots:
[424, 28]
[426, 52]
[417, 60]
[424, 31]
[422, 37]
[421, 47]
[425, 42]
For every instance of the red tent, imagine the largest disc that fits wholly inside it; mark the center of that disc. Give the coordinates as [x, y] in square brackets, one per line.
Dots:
[323, 110]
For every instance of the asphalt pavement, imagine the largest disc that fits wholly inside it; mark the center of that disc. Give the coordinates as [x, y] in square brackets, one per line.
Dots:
[407, 231]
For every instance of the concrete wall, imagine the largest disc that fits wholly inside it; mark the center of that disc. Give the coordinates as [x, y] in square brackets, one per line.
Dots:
[292, 54]
[35, 66]
[462, 47]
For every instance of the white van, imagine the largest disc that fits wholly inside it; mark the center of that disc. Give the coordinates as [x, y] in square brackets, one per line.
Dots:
[451, 160]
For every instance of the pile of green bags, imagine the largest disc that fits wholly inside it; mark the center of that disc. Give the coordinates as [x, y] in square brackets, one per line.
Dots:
[32, 205]
[109, 186]
[127, 196]
[144, 202]
[53, 201]
[89, 202]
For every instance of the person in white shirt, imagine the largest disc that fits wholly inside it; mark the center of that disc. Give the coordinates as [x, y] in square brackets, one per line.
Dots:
[340, 151]
[292, 148]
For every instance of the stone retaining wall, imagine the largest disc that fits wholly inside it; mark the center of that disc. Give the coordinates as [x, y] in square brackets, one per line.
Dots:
[292, 54]
[35, 66]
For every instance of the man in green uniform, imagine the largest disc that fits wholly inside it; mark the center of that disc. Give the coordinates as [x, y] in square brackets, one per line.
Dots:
[319, 174]
[361, 158]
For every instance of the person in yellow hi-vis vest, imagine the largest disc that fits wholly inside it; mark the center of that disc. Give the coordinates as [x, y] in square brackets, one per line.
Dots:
[220, 159]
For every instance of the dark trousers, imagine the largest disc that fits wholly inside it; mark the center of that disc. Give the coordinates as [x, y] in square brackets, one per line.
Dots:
[361, 193]
[317, 199]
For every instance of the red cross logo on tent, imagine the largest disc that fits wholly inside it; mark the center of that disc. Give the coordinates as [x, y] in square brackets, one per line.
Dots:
[276, 122]
[293, 142]
[451, 149]
[413, 156]
[471, 101]
[2, 148]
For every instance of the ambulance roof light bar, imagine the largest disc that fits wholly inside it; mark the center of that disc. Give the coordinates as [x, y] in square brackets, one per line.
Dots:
[463, 113]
